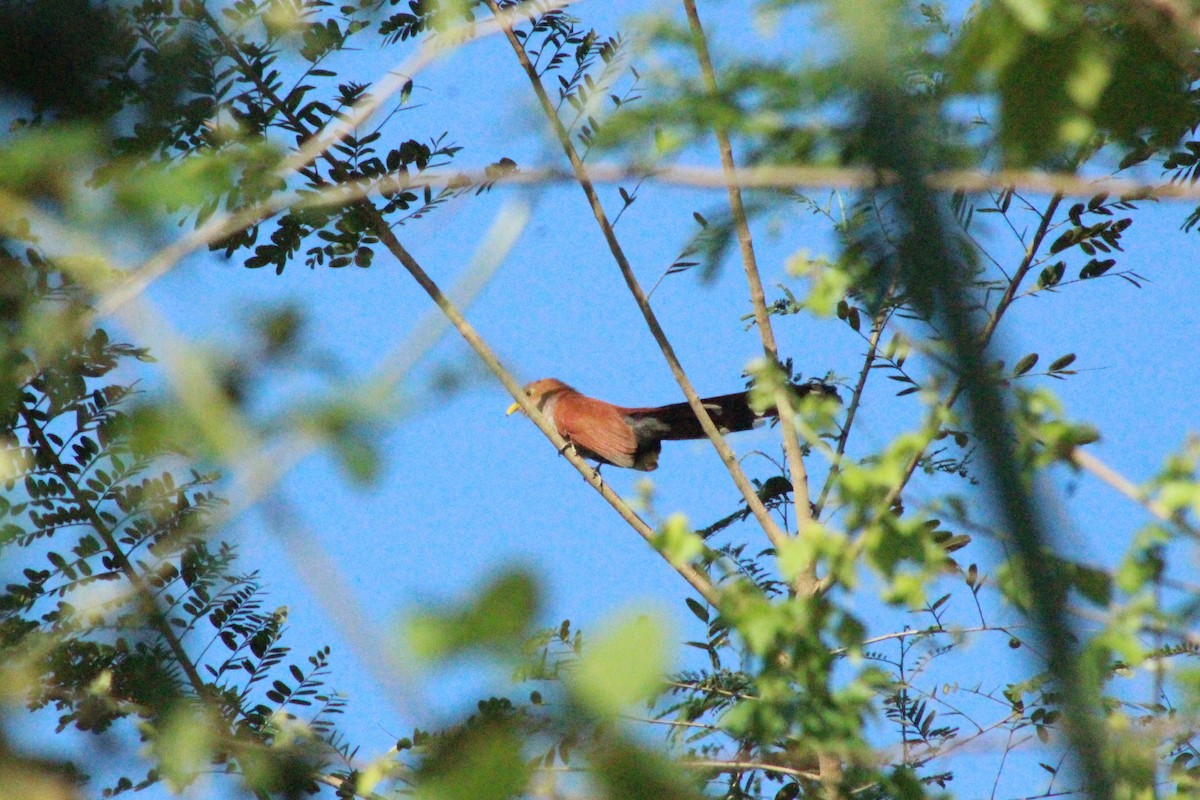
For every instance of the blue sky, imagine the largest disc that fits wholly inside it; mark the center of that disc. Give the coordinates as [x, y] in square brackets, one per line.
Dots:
[466, 492]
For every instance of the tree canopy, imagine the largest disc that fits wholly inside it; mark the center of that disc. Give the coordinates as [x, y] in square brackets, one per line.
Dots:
[963, 567]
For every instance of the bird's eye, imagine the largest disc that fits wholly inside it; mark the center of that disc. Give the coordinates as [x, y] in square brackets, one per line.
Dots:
[529, 392]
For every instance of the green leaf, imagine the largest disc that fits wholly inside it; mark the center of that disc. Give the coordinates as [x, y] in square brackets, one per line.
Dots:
[622, 665]
[1051, 275]
[629, 772]
[1095, 268]
[1094, 584]
[499, 620]
[482, 762]
[1025, 364]
[1034, 15]
[183, 745]
[677, 542]
[1061, 363]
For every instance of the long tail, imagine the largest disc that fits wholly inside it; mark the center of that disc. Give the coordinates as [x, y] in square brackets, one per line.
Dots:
[731, 413]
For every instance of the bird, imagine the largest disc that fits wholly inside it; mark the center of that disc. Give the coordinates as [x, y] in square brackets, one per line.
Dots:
[633, 437]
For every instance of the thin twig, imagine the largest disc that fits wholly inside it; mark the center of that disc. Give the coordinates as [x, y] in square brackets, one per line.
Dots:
[985, 337]
[1005, 629]
[877, 327]
[731, 766]
[107, 535]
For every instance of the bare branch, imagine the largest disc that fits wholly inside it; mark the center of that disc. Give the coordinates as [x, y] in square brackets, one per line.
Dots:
[806, 579]
[784, 177]
[774, 533]
[1086, 461]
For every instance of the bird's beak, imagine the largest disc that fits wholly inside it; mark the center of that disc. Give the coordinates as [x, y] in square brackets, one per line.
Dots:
[512, 408]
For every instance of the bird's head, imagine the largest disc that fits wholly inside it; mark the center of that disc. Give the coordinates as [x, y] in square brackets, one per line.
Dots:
[540, 391]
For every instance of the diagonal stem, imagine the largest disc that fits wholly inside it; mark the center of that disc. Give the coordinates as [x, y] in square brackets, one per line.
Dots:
[985, 338]
[877, 327]
[806, 581]
[698, 580]
[1086, 461]
[145, 595]
[773, 531]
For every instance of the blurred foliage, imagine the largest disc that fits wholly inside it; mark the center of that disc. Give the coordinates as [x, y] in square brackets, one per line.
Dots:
[125, 617]
[117, 605]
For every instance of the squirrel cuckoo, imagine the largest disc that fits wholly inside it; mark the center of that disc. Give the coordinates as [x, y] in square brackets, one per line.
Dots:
[633, 437]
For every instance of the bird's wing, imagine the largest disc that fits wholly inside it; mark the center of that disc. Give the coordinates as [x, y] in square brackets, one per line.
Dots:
[598, 427]
[730, 412]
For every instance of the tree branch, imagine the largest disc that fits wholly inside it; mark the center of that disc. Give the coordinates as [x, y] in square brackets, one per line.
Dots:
[806, 580]
[783, 177]
[146, 597]
[985, 338]
[1086, 461]
[774, 533]
[698, 580]
[877, 326]
[786, 177]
